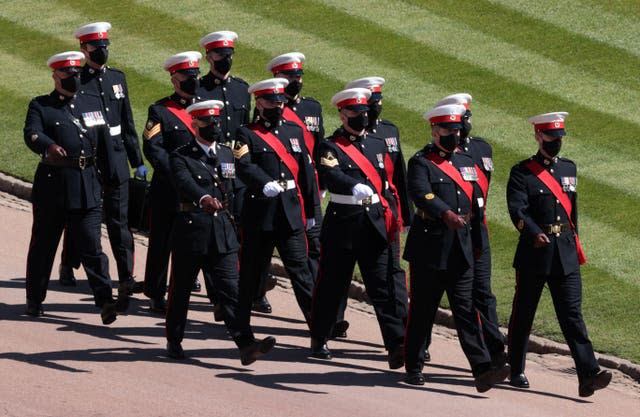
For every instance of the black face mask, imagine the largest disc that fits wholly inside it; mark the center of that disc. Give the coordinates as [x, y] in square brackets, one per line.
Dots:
[293, 88]
[359, 122]
[552, 148]
[190, 85]
[449, 142]
[71, 84]
[374, 113]
[272, 115]
[211, 133]
[223, 65]
[100, 55]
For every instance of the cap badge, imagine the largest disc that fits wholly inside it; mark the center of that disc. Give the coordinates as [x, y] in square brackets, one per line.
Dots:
[73, 62]
[556, 124]
[294, 65]
[225, 42]
[359, 100]
[452, 117]
[100, 35]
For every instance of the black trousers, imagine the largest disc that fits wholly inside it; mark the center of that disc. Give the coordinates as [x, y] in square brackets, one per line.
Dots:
[83, 227]
[257, 249]
[222, 273]
[156, 268]
[485, 303]
[313, 254]
[336, 270]
[566, 293]
[427, 287]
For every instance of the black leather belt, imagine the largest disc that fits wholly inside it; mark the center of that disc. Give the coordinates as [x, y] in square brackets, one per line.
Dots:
[425, 216]
[81, 162]
[555, 228]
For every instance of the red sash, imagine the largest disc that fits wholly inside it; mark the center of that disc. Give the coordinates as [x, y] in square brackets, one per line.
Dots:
[309, 140]
[388, 166]
[453, 173]
[553, 186]
[483, 183]
[181, 114]
[372, 175]
[288, 159]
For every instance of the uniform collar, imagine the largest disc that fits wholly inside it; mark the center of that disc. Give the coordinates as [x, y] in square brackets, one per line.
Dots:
[544, 161]
[269, 125]
[182, 102]
[206, 148]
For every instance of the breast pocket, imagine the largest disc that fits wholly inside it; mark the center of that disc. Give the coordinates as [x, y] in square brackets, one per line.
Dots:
[176, 136]
[264, 156]
[441, 185]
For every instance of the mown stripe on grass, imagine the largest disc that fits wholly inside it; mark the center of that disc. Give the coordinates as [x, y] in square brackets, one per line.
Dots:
[492, 54]
[589, 19]
[558, 43]
[15, 158]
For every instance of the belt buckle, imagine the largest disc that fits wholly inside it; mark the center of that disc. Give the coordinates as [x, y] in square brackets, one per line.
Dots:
[283, 184]
[82, 162]
[556, 228]
[366, 201]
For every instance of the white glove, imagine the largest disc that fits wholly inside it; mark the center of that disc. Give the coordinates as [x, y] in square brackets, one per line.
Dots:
[361, 191]
[323, 194]
[310, 223]
[272, 189]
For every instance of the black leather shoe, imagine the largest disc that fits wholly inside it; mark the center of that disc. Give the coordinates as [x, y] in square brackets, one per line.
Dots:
[196, 286]
[593, 383]
[122, 303]
[174, 350]
[218, 313]
[270, 282]
[261, 305]
[340, 329]
[396, 357]
[427, 355]
[519, 381]
[487, 379]
[131, 286]
[67, 278]
[34, 309]
[256, 349]
[415, 378]
[158, 305]
[108, 313]
[319, 349]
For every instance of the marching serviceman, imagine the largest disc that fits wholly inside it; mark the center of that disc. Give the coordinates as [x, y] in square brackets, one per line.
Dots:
[440, 247]
[204, 235]
[360, 223]
[397, 174]
[168, 127]
[542, 201]
[483, 299]
[65, 132]
[108, 87]
[306, 113]
[281, 196]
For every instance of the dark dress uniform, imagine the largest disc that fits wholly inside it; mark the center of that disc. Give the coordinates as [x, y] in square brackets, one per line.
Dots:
[66, 191]
[164, 133]
[233, 92]
[354, 233]
[108, 88]
[442, 259]
[534, 209]
[275, 221]
[397, 172]
[204, 241]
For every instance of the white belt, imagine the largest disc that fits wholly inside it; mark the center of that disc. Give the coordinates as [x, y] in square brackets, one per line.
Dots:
[287, 184]
[115, 130]
[349, 199]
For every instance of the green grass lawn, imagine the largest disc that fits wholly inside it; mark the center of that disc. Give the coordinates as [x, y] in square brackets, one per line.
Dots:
[517, 58]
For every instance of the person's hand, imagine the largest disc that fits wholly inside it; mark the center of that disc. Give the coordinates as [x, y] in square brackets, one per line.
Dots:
[141, 172]
[541, 240]
[55, 152]
[452, 220]
[210, 204]
[272, 189]
[361, 191]
[310, 223]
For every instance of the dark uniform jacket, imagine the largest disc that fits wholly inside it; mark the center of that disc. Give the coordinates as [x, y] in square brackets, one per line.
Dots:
[389, 133]
[257, 164]
[430, 241]
[340, 174]
[164, 133]
[55, 118]
[109, 88]
[532, 206]
[482, 154]
[196, 175]
[233, 92]
[310, 112]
